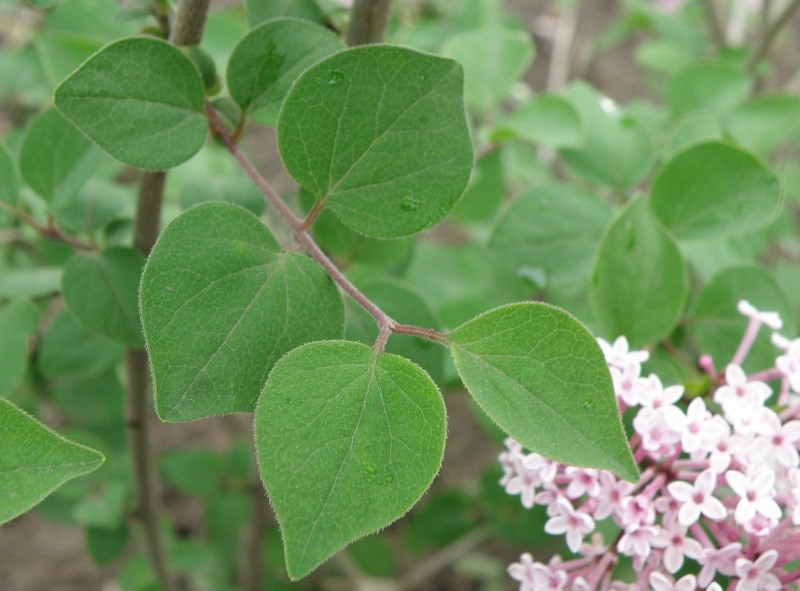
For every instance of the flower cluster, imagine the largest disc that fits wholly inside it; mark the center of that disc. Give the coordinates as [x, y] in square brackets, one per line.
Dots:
[718, 503]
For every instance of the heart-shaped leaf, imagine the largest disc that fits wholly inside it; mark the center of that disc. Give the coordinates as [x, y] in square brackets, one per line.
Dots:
[348, 440]
[713, 190]
[221, 302]
[639, 284]
[139, 99]
[35, 461]
[379, 134]
[540, 375]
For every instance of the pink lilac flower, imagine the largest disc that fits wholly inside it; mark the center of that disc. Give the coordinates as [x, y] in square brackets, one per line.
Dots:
[659, 582]
[738, 392]
[697, 498]
[660, 428]
[701, 431]
[789, 364]
[755, 491]
[781, 441]
[637, 540]
[676, 545]
[523, 572]
[719, 486]
[566, 520]
[718, 560]
[756, 575]
[770, 319]
[610, 495]
[582, 482]
[619, 354]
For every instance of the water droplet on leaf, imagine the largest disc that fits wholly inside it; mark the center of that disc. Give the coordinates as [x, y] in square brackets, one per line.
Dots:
[336, 78]
[410, 204]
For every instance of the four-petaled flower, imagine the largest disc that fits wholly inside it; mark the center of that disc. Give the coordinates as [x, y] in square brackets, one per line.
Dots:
[756, 575]
[566, 520]
[697, 498]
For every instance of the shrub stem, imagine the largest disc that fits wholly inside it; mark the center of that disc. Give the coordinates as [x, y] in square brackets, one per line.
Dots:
[187, 30]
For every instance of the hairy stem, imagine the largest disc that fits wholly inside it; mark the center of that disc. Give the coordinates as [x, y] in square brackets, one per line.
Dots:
[368, 22]
[770, 34]
[305, 240]
[142, 465]
[49, 231]
[563, 41]
[187, 30]
[190, 19]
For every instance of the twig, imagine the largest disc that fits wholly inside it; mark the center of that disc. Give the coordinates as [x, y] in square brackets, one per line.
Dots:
[190, 19]
[770, 34]
[142, 465]
[50, 231]
[368, 22]
[737, 23]
[714, 23]
[563, 39]
[305, 240]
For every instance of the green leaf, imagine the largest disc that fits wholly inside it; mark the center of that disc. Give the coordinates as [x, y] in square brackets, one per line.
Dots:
[406, 306]
[221, 302]
[101, 291]
[548, 120]
[55, 159]
[639, 283]
[551, 232]
[348, 440]
[719, 327]
[540, 375]
[139, 99]
[105, 545]
[69, 350]
[617, 152]
[380, 135]
[494, 58]
[22, 283]
[714, 190]
[18, 319]
[35, 461]
[707, 87]
[765, 122]
[269, 59]
[259, 11]
[9, 188]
